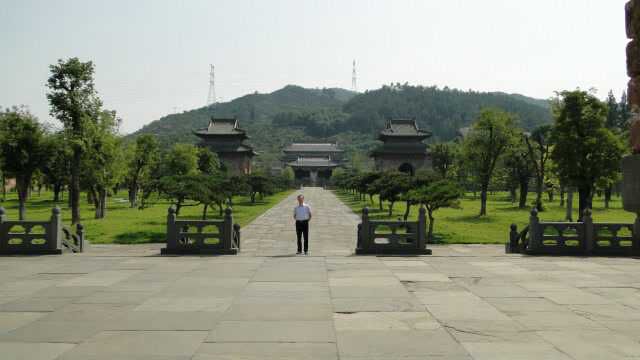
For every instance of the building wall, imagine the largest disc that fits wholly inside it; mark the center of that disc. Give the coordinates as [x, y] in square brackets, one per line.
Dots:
[393, 162]
[236, 164]
[292, 156]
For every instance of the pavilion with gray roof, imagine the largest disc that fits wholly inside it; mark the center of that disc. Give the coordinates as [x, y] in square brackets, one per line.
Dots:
[313, 163]
[225, 138]
[402, 147]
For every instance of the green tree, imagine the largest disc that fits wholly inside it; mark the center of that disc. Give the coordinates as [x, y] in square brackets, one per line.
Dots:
[436, 195]
[213, 191]
[258, 184]
[443, 158]
[392, 185]
[180, 188]
[208, 162]
[613, 112]
[585, 150]
[520, 169]
[288, 176]
[182, 159]
[145, 157]
[23, 150]
[539, 150]
[102, 163]
[234, 185]
[624, 112]
[486, 143]
[58, 167]
[74, 101]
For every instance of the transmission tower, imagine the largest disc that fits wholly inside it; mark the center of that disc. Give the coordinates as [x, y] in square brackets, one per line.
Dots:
[354, 78]
[211, 99]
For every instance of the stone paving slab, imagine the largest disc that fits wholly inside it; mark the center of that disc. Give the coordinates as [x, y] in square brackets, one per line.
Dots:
[464, 302]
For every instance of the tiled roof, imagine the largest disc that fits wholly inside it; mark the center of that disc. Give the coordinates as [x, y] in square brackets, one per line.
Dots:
[308, 147]
[403, 127]
[222, 127]
[313, 162]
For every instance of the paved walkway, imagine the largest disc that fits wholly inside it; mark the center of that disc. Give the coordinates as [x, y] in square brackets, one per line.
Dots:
[464, 302]
[332, 230]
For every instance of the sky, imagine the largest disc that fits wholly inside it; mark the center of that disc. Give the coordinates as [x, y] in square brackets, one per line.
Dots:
[152, 56]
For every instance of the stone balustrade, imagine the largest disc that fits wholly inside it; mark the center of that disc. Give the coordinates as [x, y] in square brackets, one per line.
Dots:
[22, 237]
[377, 237]
[575, 238]
[213, 237]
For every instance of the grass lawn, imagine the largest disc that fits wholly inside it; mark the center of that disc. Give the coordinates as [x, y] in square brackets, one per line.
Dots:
[124, 225]
[463, 226]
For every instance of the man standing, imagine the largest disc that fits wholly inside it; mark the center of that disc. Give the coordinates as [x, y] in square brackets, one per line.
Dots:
[302, 215]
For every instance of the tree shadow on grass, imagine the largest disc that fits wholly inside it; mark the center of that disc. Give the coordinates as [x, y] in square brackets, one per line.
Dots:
[140, 237]
[473, 219]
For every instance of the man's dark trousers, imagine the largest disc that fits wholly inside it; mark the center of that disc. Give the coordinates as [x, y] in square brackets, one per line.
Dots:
[302, 228]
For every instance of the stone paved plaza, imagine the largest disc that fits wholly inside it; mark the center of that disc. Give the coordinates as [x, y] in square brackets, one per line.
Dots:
[464, 302]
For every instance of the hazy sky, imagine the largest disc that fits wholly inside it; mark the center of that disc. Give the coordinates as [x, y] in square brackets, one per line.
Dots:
[153, 56]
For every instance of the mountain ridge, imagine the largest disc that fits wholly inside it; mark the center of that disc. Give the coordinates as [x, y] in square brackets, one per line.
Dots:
[294, 113]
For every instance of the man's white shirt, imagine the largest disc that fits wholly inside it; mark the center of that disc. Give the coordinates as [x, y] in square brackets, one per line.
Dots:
[302, 212]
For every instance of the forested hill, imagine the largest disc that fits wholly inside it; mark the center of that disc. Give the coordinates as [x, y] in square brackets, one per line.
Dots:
[252, 109]
[294, 113]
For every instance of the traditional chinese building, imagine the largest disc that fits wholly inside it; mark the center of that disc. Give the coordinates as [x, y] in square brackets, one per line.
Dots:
[227, 139]
[313, 163]
[402, 147]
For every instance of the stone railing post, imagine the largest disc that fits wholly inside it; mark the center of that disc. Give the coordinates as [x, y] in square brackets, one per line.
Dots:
[422, 228]
[3, 231]
[227, 232]
[512, 246]
[54, 238]
[535, 239]
[172, 238]
[366, 238]
[589, 237]
[236, 234]
[636, 236]
[80, 235]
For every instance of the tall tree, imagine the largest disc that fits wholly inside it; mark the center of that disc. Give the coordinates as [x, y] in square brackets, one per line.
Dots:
[520, 168]
[539, 150]
[74, 101]
[585, 150]
[443, 157]
[182, 159]
[23, 150]
[145, 156]
[485, 144]
[624, 112]
[102, 165]
[58, 167]
[613, 112]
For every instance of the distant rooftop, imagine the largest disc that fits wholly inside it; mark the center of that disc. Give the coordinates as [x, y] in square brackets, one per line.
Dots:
[312, 147]
[222, 126]
[313, 162]
[403, 127]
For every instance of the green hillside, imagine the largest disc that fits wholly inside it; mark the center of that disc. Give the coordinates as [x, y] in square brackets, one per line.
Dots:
[294, 113]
